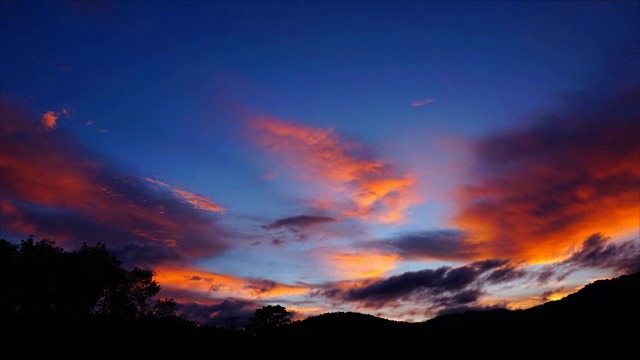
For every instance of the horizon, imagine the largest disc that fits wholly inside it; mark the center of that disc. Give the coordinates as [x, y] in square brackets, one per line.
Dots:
[400, 159]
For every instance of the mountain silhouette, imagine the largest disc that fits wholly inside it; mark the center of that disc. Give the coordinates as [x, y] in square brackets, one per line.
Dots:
[601, 319]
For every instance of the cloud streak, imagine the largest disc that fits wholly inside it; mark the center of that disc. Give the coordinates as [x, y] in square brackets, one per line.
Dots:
[422, 102]
[198, 201]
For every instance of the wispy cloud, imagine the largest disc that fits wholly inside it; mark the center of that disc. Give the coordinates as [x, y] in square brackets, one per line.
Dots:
[422, 102]
[198, 201]
[93, 124]
[342, 169]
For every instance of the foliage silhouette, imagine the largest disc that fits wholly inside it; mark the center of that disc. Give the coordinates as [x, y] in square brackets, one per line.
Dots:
[269, 321]
[41, 280]
[79, 300]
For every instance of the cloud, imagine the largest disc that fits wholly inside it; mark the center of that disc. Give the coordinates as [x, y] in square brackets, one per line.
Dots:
[216, 285]
[230, 313]
[50, 118]
[198, 201]
[422, 102]
[449, 244]
[214, 298]
[300, 221]
[93, 124]
[442, 290]
[540, 190]
[308, 227]
[597, 252]
[358, 266]
[54, 187]
[350, 179]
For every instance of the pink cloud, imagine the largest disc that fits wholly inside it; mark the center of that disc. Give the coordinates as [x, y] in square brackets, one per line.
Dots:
[422, 102]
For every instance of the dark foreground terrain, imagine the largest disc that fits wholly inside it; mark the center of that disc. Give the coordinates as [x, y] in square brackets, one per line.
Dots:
[83, 304]
[601, 321]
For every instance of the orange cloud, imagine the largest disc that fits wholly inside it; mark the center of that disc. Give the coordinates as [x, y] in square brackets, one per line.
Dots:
[219, 285]
[49, 119]
[358, 266]
[198, 201]
[373, 189]
[50, 184]
[541, 191]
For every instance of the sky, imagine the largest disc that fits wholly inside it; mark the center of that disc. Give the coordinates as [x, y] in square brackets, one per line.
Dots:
[404, 159]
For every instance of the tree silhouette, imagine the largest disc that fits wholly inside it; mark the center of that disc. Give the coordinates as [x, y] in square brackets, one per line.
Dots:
[39, 280]
[269, 320]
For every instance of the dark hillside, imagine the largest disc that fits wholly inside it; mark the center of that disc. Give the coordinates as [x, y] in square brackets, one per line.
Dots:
[602, 318]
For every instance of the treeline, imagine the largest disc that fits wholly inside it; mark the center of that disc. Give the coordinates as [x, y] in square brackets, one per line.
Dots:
[83, 303]
[57, 301]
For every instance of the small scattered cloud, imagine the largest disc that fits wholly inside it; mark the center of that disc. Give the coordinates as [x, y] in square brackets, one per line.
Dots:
[92, 123]
[50, 118]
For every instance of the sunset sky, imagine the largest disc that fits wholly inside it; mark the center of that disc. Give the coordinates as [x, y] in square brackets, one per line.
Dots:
[404, 159]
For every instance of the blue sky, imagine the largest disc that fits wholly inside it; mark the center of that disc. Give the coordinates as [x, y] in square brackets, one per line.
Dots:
[398, 158]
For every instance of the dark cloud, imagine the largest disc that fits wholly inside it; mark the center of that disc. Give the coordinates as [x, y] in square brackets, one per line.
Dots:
[228, 313]
[454, 281]
[443, 290]
[547, 295]
[597, 252]
[300, 221]
[446, 244]
[298, 228]
[506, 274]
[261, 286]
[53, 187]
[463, 309]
